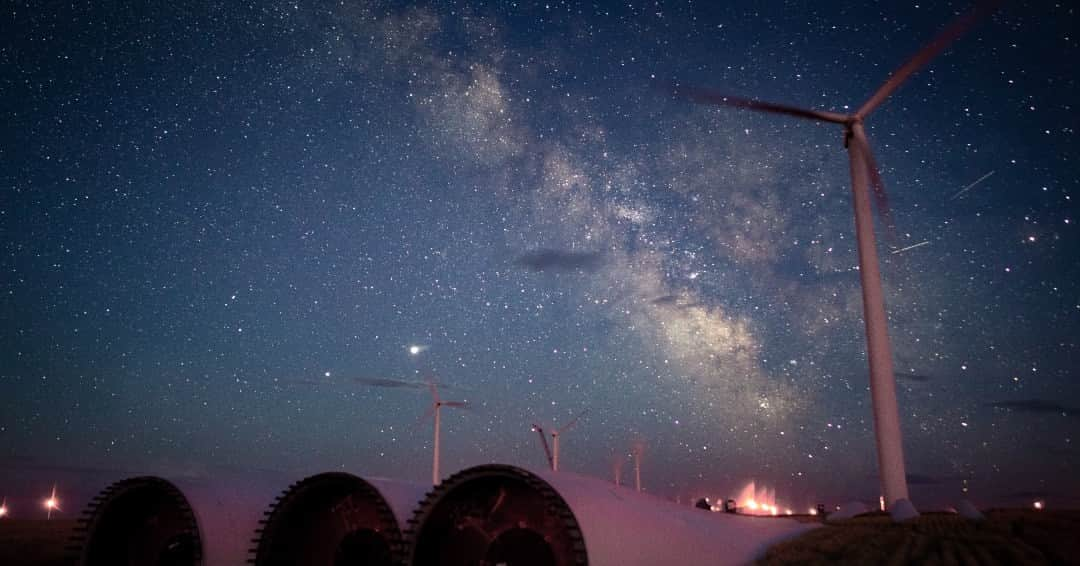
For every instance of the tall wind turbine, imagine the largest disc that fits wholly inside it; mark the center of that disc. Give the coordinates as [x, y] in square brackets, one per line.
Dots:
[616, 468]
[436, 406]
[639, 450]
[864, 172]
[543, 440]
[555, 439]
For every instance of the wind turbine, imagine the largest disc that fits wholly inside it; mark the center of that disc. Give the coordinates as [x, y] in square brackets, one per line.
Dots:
[555, 439]
[436, 406]
[639, 450]
[543, 440]
[864, 172]
[616, 468]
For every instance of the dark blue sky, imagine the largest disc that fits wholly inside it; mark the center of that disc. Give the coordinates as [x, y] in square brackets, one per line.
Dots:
[207, 207]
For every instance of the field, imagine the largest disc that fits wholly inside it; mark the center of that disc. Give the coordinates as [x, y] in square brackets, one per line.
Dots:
[1005, 537]
[33, 542]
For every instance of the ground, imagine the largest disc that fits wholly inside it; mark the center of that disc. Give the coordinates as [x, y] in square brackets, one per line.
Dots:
[25, 542]
[1005, 537]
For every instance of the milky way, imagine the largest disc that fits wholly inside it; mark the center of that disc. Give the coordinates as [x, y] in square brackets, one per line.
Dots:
[244, 237]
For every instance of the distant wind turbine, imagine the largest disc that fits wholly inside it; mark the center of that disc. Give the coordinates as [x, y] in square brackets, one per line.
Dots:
[864, 172]
[436, 406]
[639, 450]
[555, 434]
[616, 468]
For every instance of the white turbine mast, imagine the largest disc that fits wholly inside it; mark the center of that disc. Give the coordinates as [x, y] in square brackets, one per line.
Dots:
[639, 450]
[436, 408]
[864, 173]
[555, 434]
[616, 468]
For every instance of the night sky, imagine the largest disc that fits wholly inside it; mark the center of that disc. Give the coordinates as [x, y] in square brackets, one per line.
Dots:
[225, 225]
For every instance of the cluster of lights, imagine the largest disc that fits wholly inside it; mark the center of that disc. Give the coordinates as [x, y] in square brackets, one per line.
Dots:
[764, 508]
[50, 504]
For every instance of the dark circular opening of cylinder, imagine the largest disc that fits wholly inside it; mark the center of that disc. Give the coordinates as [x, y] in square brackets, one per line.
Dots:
[329, 519]
[141, 522]
[496, 515]
[363, 547]
[520, 547]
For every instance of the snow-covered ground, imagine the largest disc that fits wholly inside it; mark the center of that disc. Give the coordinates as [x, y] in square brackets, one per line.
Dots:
[624, 527]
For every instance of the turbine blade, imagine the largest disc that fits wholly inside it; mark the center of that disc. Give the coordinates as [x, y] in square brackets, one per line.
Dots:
[310, 382]
[387, 382]
[572, 422]
[544, 442]
[456, 404]
[958, 27]
[384, 382]
[861, 156]
[427, 414]
[881, 198]
[706, 96]
[434, 391]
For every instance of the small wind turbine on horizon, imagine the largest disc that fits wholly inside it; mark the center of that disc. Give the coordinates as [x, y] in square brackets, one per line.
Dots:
[552, 451]
[638, 452]
[555, 434]
[395, 383]
[864, 172]
[436, 408]
[616, 468]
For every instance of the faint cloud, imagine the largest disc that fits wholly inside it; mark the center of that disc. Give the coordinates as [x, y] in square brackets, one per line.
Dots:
[673, 301]
[1038, 406]
[557, 260]
[666, 300]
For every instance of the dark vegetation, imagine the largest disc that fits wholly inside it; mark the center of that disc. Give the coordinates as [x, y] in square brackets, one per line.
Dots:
[1004, 537]
[25, 542]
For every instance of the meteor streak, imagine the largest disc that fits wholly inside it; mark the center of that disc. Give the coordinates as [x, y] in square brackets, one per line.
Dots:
[918, 245]
[968, 188]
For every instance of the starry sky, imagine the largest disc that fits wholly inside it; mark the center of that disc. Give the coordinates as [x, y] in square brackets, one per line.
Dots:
[224, 226]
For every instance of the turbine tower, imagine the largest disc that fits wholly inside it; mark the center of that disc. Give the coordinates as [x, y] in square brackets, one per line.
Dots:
[436, 406]
[616, 468]
[864, 172]
[555, 439]
[639, 449]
